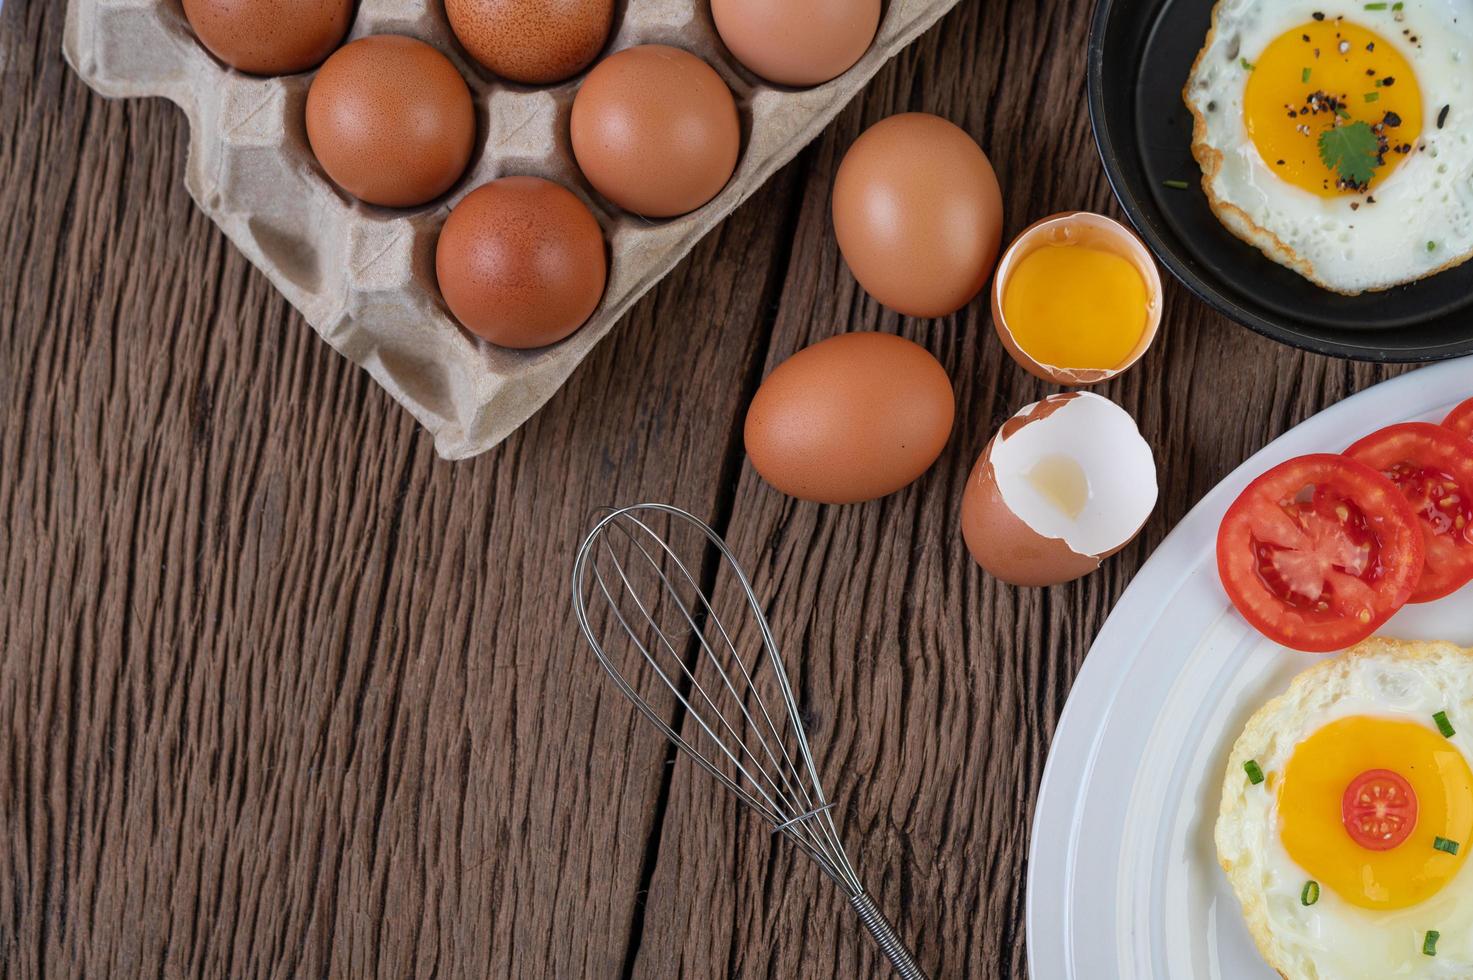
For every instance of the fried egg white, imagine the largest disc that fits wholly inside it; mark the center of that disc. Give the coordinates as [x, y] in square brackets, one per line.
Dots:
[1276, 74]
[1373, 707]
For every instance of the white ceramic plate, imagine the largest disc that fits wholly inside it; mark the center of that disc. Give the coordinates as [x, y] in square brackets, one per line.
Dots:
[1123, 878]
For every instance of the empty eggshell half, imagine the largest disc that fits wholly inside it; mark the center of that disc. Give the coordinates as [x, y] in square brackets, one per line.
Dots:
[1092, 230]
[1064, 484]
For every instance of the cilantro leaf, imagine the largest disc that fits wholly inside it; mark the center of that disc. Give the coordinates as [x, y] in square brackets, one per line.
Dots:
[1352, 151]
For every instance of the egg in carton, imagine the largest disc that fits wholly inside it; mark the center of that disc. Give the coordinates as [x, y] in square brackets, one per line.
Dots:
[364, 276]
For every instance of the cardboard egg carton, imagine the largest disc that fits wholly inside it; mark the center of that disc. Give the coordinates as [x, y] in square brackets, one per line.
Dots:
[364, 276]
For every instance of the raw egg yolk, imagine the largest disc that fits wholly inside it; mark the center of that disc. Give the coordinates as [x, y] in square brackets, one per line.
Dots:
[1075, 305]
[1330, 74]
[1312, 797]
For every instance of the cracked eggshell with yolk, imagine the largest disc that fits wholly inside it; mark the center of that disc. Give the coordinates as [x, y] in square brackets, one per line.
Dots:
[1097, 232]
[1064, 484]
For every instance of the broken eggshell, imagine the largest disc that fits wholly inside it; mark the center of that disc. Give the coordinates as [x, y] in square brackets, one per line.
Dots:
[1103, 233]
[1020, 532]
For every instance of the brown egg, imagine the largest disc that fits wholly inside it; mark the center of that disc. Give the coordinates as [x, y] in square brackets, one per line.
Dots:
[536, 42]
[852, 418]
[918, 214]
[390, 120]
[655, 130]
[521, 262]
[797, 42]
[1065, 483]
[270, 37]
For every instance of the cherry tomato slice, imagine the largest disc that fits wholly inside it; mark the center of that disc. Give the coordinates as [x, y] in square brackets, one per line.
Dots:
[1433, 468]
[1460, 420]
[1318, 552]
[1379, 809]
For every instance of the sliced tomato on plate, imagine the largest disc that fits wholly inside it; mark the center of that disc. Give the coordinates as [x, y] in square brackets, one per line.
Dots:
[1319, 551]
[1461, 419]
[1433, 468]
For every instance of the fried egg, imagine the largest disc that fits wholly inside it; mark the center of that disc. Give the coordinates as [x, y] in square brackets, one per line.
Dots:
[1347, 816]
[1338, 138]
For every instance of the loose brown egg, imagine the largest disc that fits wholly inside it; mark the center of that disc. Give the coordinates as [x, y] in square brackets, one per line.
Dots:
[536, 42]
[797, 42]
[270, 37]
[918, 214]
[390, 120]
[655, 130]
[521, 262]
[852, 418]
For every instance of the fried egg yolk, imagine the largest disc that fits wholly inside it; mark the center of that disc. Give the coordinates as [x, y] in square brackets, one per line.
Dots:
[1327, 74]
[1312, 789]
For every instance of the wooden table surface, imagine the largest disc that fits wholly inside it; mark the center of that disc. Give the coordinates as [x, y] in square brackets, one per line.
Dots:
[285, 695]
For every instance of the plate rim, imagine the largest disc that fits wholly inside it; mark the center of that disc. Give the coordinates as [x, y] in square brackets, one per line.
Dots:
[1112, 653]
[1206, 291]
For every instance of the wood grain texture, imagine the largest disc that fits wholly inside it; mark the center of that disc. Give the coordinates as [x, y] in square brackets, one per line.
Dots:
[285, 695]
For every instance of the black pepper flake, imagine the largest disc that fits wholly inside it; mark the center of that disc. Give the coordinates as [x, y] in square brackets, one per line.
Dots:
[1370, 45]
[1388, 81]
[1392, 119]
[1371, 199]
[1281, 163]
[1355, 205]
[1317, 15]
[1305, 37]
[1442, 116]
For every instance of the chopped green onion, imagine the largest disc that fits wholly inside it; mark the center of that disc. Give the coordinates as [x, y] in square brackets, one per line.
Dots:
[1372, 96]
[1342, 113]
[1254, 771]
[1398, 5]
[1429, 945]
[1375, 6]
[1304, 75]
[1444, 845]
[1247, 65]
[1176, 185]
[1311, 893]
[1443, 725]
[1431, 246]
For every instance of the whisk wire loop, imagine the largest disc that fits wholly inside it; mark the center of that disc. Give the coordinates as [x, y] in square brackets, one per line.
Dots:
[765, 761]
[794, 788]
[777, 794]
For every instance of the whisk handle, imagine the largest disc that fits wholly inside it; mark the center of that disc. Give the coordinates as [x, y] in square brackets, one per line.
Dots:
[886, 939]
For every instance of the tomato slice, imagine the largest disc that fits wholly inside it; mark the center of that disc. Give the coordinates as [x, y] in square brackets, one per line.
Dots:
[1318, 552]
[1433, 468]
[1461, 419]
[1379, 809]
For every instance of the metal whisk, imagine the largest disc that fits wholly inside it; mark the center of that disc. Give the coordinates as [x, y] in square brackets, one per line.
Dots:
[633, 582]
